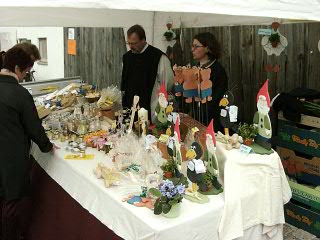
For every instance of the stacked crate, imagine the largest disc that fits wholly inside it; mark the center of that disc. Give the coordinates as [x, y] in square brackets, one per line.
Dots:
[299, 148]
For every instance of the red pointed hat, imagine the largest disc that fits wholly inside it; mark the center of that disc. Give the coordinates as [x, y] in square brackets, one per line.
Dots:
[264, 92]
[177, 129]
[163, 90]
[210, 131]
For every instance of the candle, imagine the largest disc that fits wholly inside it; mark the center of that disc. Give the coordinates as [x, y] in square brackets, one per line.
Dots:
[143, 119]
[143, 115]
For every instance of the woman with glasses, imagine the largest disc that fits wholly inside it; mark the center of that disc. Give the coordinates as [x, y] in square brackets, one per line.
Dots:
[206, 50]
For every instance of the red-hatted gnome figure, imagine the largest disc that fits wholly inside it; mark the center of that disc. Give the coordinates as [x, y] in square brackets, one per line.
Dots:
[261, 118]
[177, 146]
[212, 161]
[162, 105]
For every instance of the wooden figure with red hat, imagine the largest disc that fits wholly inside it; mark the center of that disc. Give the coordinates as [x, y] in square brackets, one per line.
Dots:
[262, 119]
[160, 110]
[177, 146]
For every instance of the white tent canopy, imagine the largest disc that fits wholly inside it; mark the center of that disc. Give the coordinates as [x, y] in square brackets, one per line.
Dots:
[153, 14]
[121, 12]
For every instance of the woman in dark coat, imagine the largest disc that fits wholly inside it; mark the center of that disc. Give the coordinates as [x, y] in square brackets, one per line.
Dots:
[206, 50]
[19, 124]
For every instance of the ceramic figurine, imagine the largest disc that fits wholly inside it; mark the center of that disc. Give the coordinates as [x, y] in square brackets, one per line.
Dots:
[162, 105]
[261, 118]
[213, 166]
[196, 167]
[229, 112]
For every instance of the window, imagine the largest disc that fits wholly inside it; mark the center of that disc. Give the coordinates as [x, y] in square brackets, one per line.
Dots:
[21, 40]
[43, 51]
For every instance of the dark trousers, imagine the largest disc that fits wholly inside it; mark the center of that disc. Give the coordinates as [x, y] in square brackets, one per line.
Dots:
[10, 228]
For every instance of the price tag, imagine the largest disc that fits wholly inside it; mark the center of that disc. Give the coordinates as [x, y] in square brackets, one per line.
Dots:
[233, 113]
[245, 149]
[170, 118]
[223, 113]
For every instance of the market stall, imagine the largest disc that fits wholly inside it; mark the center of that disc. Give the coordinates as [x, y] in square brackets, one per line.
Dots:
[113, 172]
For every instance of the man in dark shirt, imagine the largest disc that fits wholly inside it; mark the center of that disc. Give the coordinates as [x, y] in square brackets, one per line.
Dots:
[144, 69]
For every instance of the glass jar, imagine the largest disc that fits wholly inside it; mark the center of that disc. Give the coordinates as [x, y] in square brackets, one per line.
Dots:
[82, 127]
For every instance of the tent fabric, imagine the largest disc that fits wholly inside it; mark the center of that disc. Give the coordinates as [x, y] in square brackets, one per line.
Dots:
[99, 12]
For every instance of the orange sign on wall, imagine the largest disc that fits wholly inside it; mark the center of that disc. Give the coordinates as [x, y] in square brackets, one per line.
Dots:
[72, 44]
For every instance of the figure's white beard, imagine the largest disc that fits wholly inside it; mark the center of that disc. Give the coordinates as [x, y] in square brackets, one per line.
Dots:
[263, 106]
[163, 101]
[210, 146]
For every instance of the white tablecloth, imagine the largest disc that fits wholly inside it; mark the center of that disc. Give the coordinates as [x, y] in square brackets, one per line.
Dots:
[255, 190]
[197, 221]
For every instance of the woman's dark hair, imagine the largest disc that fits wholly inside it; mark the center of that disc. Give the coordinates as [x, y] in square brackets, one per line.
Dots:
[138, 29]
[209, 40]
[17, 57]
[30, 49]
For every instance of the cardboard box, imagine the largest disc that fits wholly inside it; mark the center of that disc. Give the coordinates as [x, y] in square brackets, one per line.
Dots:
[296, 138]
[305, 194]
[43, 112]
[302, 168]
[303, 218]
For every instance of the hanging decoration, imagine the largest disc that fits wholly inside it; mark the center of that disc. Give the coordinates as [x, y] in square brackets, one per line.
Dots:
[275, 43]
[169, 35]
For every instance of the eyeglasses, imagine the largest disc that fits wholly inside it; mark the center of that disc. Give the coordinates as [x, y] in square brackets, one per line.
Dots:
[132, 43]
[196, 46]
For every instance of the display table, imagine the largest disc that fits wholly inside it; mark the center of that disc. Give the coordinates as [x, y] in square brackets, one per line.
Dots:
[255, 190]
[127, 221]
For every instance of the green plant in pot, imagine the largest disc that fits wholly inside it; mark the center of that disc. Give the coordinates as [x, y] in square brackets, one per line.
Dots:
[169, 168]
[274, 39]
[247, 132]
[207, 183]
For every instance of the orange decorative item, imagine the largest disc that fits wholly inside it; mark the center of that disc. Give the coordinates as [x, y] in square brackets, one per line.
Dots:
[178, 80]
[190, 84]
[205, 85]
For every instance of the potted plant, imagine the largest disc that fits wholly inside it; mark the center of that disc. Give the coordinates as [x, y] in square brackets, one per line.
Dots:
[207, 182]
[169, 196]
[274, 39]
[247, 132]
[168, 35]
[168, 168]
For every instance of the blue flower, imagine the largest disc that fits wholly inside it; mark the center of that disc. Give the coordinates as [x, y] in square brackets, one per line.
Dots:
[169, 190]
[181, 189]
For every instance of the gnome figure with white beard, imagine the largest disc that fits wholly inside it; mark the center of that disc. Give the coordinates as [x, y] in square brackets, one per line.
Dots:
[212, 162]
[261, 118]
